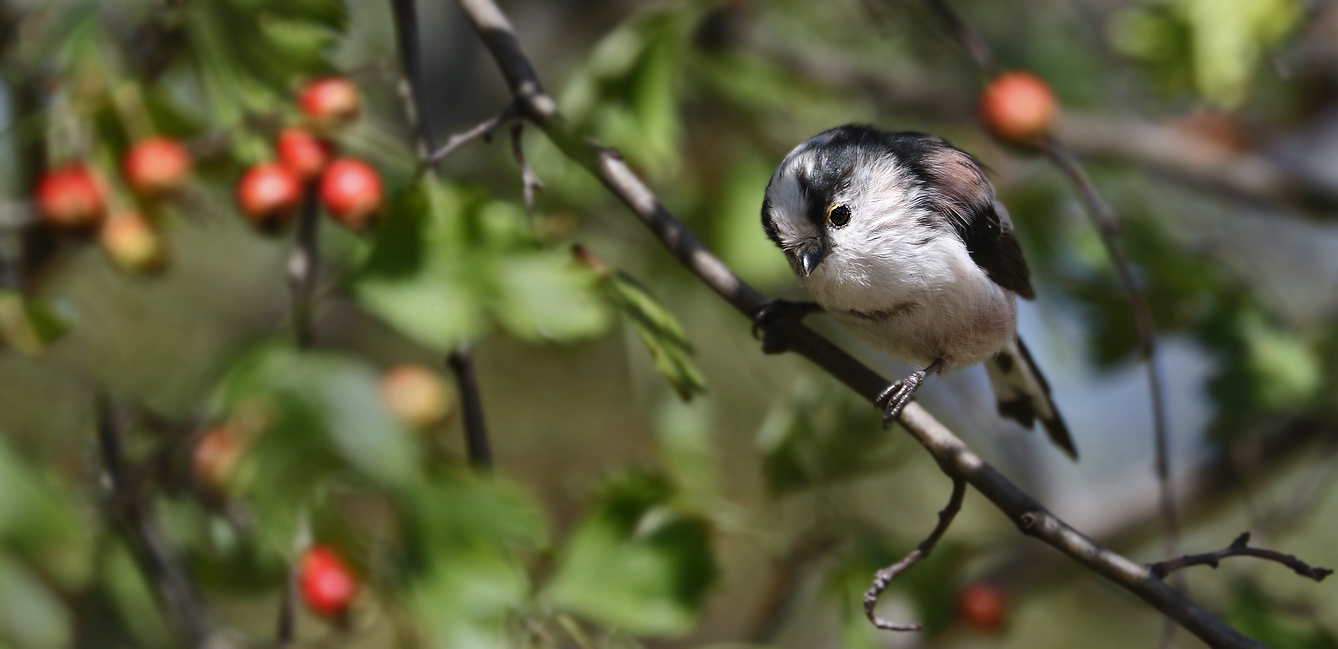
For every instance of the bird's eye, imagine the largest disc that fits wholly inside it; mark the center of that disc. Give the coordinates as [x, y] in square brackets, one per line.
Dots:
[838, 215]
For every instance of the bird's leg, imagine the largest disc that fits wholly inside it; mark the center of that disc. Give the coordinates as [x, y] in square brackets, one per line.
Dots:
[894, 399]
[773, 313]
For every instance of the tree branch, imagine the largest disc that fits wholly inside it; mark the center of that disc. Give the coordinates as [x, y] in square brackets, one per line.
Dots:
[884, 577]
[303, 266]
[1197, 160]
[159, 560]
[461, 360]
[1239, 548]
[476, 429]
[953, 456]
[1107, 225]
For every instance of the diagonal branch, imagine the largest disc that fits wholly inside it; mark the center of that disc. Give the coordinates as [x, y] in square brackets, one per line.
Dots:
[884, 577]
[1240, 548]
[952, 455]
[1106, 223]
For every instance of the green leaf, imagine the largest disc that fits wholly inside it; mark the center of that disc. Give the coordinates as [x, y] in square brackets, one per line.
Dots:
[1220, 44]
[40, 524]
[545, 296]
[823, 434]
[336, 395]
[1264, 618]
[31, 325]
[664, 337]
[466, 583]
[32, 617]
[635, 562]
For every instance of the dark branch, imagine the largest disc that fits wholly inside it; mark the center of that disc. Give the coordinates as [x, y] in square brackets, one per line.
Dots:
[884, 577]
[1198, 160]
[483, 130]
[1239, 548]
[462, 360]
[953, 456]
[161, 563]
[303, 266]
[476, 429]
[1106, 223]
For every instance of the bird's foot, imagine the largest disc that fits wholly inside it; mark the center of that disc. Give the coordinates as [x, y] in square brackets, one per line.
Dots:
[773, 313]
[894, 399]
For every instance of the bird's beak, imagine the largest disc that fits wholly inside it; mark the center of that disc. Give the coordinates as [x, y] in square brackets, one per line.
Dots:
[810, 255]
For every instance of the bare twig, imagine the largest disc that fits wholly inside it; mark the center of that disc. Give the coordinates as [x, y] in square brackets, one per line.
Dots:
[1197, 160]
[884, 577]
[476, 429]
[980, 51]
[160, 561]
[483, 130]
[461, 360]
[953, 456]
[303, 266]
[1104, 218]
[1239, 548]
[531, 182]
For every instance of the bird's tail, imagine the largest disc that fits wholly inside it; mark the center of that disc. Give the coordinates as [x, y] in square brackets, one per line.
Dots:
[1024, 396]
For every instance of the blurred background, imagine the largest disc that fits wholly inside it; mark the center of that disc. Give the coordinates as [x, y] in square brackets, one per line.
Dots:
[658, 481]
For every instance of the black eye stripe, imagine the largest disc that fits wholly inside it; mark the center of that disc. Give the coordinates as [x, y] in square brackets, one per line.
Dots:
[838, 216]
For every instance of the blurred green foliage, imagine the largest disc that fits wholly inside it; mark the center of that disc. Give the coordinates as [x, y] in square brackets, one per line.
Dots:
[668, 484]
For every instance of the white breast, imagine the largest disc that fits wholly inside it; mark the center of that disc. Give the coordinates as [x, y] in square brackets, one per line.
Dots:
[919, 297]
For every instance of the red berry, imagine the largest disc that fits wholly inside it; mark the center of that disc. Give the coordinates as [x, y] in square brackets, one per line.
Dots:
[72, 198]
[156, 167]
[984, 606]
[303, 153]
[352, 191]
[330, 102]
[133, 244]
[1019, 107]
[415, 395]
[328, 585]
[269, 195]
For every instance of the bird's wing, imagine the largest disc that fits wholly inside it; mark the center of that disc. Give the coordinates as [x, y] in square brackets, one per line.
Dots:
[1024, 395]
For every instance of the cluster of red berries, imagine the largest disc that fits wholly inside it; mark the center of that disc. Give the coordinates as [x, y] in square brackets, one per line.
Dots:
[270, 194]
[75, 199]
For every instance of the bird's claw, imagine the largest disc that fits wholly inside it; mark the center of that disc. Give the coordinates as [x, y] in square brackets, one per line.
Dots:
[773, 312]
[894, 399]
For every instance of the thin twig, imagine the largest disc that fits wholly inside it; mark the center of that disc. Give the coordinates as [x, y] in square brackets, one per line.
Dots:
[953, 456]
[303, 267]
[461, 360]
[159, 560]
[1104, 219]
[483, 130]
[411, 66]
[1239, 548]
[1106, 223]
[476, 429]
[980, 51]
[531, 182]
[884, 577]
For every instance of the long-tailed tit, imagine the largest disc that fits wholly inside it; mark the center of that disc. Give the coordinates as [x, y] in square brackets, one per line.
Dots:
[899, 237]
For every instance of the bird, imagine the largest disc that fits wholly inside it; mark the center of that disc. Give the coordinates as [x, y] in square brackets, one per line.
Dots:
[900, 238]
